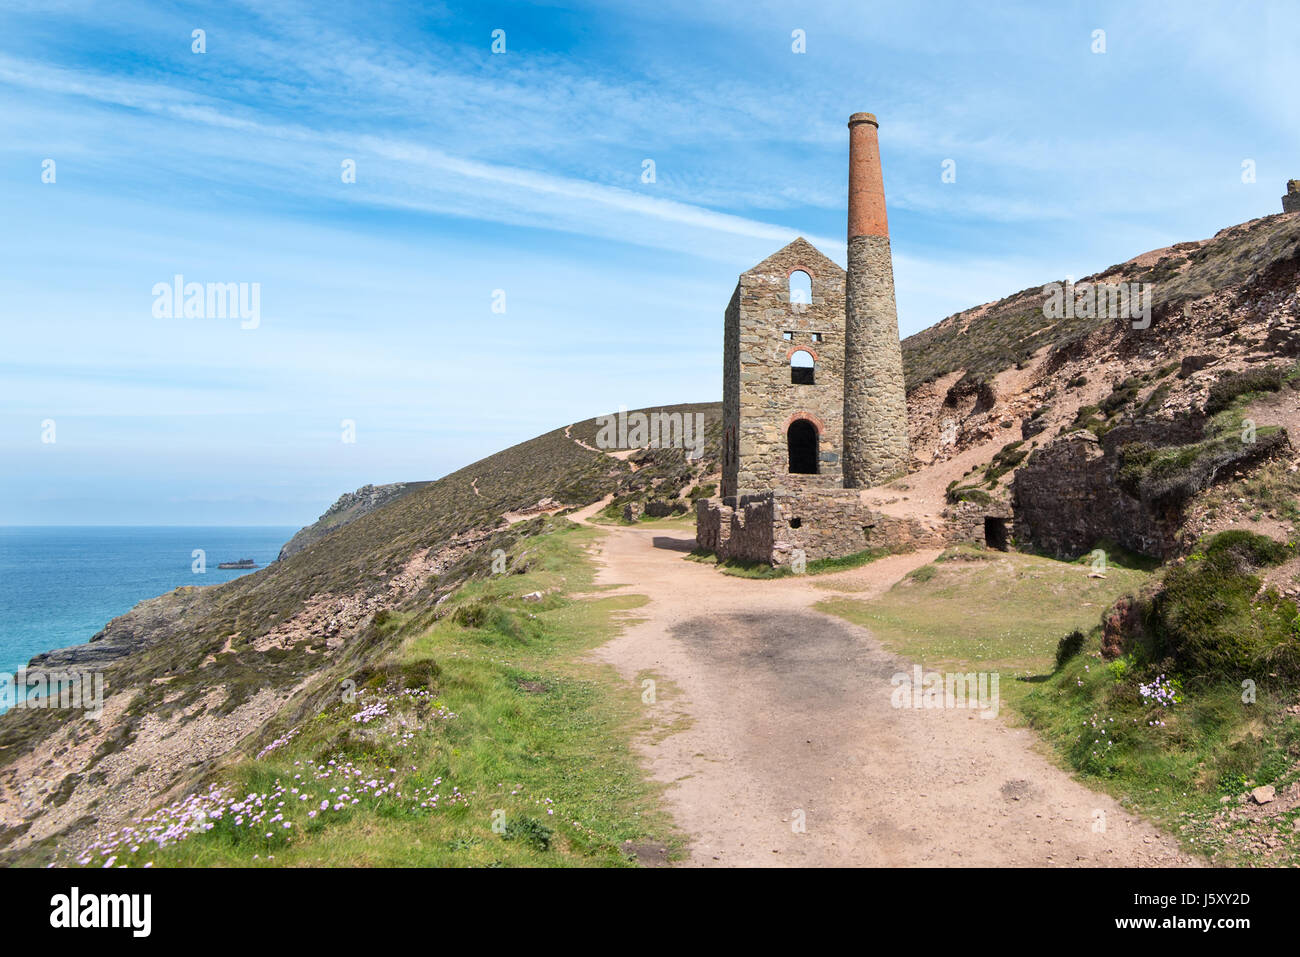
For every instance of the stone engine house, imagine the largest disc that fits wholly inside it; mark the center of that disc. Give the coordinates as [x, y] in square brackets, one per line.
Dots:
[813, 395]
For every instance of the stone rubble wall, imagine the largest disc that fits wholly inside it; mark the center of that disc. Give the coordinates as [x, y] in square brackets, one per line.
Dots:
[1066, 500]
[1291, 201]
[832, 523]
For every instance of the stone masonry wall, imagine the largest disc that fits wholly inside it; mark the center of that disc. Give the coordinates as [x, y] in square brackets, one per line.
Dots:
[731, 394]
[823, 523]
[759, 400]
[875, 402]
[1066, 499]
[1291, 201]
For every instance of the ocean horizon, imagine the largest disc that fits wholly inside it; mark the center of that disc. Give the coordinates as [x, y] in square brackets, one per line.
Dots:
[61, 584]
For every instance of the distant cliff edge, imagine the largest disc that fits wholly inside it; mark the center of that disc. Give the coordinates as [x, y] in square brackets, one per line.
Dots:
[349, 507]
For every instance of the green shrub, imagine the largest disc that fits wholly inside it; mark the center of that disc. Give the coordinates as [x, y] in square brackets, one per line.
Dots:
[1068, 647]
[1209, 620]
[472, 614]
[530, 831]
[968, 493]
[1232, 386]
[1167, 476]
[1007, 458]
[1249, 549]
[703, 491]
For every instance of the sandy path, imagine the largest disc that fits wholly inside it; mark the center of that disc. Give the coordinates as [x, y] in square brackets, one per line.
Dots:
[789, 711]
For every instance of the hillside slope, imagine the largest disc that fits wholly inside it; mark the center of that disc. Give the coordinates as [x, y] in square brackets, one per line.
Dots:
[1002, 398]
[200, 671]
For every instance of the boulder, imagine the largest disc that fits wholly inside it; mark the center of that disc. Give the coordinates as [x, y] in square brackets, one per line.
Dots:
[1194, 363]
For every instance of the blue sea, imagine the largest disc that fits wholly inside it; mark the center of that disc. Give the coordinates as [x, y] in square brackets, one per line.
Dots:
[59, 585]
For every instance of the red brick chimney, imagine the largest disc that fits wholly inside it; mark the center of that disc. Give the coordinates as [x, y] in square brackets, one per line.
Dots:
[866, 182]
[875, 405]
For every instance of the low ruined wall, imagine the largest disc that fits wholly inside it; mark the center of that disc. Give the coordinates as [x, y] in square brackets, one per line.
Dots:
[711, 516]
[1066, 500]
[822, 523]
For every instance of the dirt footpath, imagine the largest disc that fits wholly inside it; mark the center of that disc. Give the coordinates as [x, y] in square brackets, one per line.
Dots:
[793, 754]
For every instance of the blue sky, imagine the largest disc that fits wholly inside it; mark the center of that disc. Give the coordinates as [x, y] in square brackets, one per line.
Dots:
[522, 171]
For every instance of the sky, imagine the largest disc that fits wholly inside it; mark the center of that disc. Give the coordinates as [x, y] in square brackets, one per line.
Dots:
[501, 263]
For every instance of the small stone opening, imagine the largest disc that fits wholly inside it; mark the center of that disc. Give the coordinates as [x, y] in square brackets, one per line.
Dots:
[796, 522]
[995, 532]
[801, 440]
[801, 368]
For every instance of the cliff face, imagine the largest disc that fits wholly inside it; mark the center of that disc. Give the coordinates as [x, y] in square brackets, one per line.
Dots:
[349, 507]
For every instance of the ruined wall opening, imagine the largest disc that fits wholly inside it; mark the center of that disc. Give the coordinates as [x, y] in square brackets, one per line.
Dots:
[995, 532]
[800, 288]
[801, 440]
[802, 368]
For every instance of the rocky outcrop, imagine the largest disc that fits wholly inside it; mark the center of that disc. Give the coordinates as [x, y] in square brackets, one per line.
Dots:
[349, 507]
[151, 621]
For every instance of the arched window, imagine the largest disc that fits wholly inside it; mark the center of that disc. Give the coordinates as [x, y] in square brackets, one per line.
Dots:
[802, 368]
[801, 441]
[800, 288]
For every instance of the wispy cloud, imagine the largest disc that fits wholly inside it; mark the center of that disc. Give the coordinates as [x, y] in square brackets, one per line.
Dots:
[523, 172]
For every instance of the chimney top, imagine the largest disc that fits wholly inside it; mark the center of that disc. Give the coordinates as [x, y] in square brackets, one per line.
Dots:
[866, 184]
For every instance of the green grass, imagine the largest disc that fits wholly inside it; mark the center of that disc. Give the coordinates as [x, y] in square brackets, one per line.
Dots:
[536, 729]
[740, 568]
[1172, 763]
[988, 611]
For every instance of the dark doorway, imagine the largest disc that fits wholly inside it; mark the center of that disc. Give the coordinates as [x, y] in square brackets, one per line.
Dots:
[801, 439]
[995, 532]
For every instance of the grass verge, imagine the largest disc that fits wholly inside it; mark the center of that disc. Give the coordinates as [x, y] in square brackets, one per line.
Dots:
[484, 740]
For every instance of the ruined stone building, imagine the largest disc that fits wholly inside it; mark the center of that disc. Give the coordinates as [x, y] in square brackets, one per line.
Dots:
[814, 406]
[1291, 201]
[783, 374]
